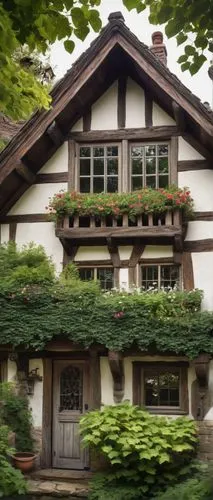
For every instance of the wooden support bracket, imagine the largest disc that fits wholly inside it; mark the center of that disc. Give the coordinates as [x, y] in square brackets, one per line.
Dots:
[200, 399]
[55, 134]
[114, 253]
[25, 173]
[117, 371]
[179, 115]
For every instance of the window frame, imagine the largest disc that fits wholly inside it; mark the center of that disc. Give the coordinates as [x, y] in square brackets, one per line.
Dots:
[159, 265]
[144, 144]
[138, 383]
[103, 145]
[95, 268]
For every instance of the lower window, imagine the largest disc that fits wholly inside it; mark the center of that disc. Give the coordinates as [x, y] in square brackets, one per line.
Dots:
[159, 276]
[103, 274]
[161, 388]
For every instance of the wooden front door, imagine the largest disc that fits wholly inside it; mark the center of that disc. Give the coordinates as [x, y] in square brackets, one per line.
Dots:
[70, 401]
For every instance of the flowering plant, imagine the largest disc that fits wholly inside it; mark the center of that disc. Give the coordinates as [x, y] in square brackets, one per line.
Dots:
[145, 201]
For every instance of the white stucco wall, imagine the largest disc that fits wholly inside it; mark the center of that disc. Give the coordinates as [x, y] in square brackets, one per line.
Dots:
[78, 127]
[36, 198]
[157, 251]
[58, 162]
[187, 152]
[203, 276]
[125, 252]
[42, 233]
[199, 230]
[209, 414]
[36, 400]
[11, 371]
[104, 111]
[160, 117]
[4, 233]
[200, 184]
[92, 253]
[106, 382]
[135, 105]
[124, 278]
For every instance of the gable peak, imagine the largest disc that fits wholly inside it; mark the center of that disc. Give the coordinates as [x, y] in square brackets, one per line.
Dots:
[116, 16]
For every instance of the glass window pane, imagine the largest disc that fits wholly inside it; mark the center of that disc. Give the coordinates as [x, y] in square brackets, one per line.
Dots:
[112, 184]
[150, 150]
[163, 181]
[150, 165]
[85, 152]
[98, 152]
[85, 167]
[149, 277]
[86, 273]
[106, 278]
[98, 184]
[137, 182]
[137, 151]
[112, 151]
[98, 166]
[137, 166]
[112, 166]
[163, 166]
[162, 387]
[170, 276]
[151, 181]
[162, 150]
[85, 184]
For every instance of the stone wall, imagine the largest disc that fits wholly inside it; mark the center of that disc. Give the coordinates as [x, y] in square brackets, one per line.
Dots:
[205, 429]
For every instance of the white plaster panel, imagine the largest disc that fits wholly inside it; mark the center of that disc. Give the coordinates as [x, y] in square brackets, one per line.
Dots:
[106, 382]
[41, 233]
[92, 253]
[4, 233]
[135, 105]
[58, 162]
[199, 230]
[160, 117]
[209, 415]
[200, 184]
[36, 399]
[124, 278]
[125, 252]
[36, 198]
[187, 152]
[11, 371]
[158, 251]
[78, 127]
[104, 111]
[203, 276]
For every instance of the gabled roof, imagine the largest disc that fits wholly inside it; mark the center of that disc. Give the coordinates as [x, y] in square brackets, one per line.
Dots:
[114, 51]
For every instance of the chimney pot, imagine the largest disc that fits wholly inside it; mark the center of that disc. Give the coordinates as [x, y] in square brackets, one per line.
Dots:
[116, 16]
[158, 48]
[157, 37]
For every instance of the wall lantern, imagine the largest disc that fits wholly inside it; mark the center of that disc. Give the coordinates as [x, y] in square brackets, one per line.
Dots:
[32, 377]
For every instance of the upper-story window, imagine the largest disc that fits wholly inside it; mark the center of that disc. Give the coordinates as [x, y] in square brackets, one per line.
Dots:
[149, 166]
[160, 276]
[98, 169]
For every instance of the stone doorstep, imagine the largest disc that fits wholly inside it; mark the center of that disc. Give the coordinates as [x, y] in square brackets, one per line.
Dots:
[58, 475]
[58, 489]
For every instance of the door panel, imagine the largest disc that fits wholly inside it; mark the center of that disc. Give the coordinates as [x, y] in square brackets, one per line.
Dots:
[70, 399]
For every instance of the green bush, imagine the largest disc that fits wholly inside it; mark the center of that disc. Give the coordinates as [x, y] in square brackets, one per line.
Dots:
[149, 451]
[11, 480]
[15, 412]
[192, 489]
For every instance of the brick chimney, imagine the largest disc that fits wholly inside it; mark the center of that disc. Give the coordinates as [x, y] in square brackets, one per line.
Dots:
[158, 48]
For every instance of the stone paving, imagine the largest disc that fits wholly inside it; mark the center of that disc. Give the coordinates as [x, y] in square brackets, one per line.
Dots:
[72, 491]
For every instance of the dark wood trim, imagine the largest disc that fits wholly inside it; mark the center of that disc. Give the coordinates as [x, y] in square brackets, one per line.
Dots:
[120, 232]
[188, 274]
[114, 253]
[199, 245]
[51, 178]
[203, 216]
[148, 109]
[70, 250]
[185, 165]
[136, 254]
[55, 134]
[46, 457]
[117, 277]
[93, 263]
[117, 370]
[7, 219]
[66, 258]
[12, 231]
[157, 260]
[125, 165]
[25, 173]
[95, 379]
[71, 164]
[179, 116]
[141, 134]
[121, 109]
[87, 118]
[132, 277]
[174, 160]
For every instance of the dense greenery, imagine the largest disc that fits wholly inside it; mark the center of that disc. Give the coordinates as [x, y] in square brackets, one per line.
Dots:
[197, 488]
[140, 449]
[145, 201]
[11, 480]
[14, 412]
[36, 307]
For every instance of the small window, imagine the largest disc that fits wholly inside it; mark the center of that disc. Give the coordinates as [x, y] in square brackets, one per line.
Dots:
[161, 387]
[149, 166]
[159, 276]
[98, 169]
[104, 274]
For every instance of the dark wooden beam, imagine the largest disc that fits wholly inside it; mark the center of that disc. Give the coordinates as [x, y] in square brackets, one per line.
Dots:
[87, 117]
[136, 254]
[25, 173]
[71, 164]
[148, 109]
[46, 456]
[199, 245]
[114, 253]
[71, 250]
[120, 232]
[24, 218]
[179, 116]
[122, 83]
[51, 178]
[55, 134]
[12, 231]
[116, 367]
[203, 216]
[174, 160]
[161, 132]
[184, 166]
[188, 274]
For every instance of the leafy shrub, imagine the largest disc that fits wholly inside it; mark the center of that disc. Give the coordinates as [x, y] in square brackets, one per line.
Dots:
[140, 448]
[192, 489]
[15, 413]
[11, 480]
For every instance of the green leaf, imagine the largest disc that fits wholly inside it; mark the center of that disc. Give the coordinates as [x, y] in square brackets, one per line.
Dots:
[189, 50]
[172, 28]
[131, 4]
[181, 38]
[69, 46]
[94, 20]
[182, 58]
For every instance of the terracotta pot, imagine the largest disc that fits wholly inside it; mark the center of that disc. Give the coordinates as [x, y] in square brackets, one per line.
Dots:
[24, 460]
